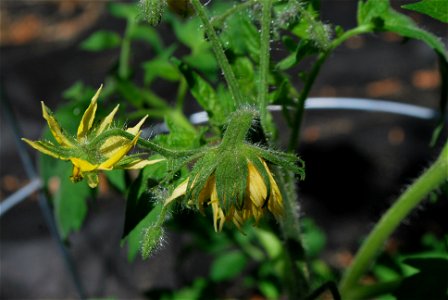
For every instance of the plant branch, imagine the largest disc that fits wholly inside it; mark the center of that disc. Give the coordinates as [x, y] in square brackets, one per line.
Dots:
[263, 84]
[414, 194]
[321, 58]
[219, 53]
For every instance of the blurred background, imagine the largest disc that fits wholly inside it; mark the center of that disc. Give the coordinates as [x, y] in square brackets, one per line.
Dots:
[357, 162]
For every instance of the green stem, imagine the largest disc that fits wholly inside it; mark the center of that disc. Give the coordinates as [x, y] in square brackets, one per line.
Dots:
[263, 85]
[181, 92]
[300, 106]
[123, 64]
[412, 197]
[296, 277]
[219, 53]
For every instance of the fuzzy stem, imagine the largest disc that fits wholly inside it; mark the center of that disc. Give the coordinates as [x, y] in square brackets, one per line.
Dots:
[125, 53]
[300, 106]
[263, 85]
[296, 277]
[237, 128]
[412, 197]
[219, 53]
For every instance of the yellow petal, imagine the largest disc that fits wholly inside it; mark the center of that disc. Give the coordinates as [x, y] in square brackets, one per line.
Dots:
[55, 128]
[105, 124]
[117, 155]
[45, 147]
[257, 187]
[112, 145]
[83, 165]
[136, 128]
[180, 190]
[89, 115]
[140, 163]
[275, 202]
[218, 214]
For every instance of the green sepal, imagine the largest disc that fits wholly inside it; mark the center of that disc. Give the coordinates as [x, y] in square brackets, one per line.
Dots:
[50, 149]
[199, 176]
[231, 179]
[287, 161]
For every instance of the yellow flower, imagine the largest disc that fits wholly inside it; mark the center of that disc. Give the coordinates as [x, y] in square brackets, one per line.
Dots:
[257, 198]
[87, 157]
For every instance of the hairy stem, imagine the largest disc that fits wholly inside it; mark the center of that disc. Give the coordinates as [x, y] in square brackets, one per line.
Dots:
[263, 85]
[296, 277]
[414, 194]
[219, 53]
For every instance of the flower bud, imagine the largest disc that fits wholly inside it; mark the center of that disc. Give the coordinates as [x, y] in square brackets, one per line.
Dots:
[152, 239]
[152, 10]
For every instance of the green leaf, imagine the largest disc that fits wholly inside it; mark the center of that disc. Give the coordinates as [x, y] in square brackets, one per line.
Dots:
[191, 34]
[182, 133]
[123, 10]
[270, 242]
[147, 34]
[117, 178]
[269, 289]
[429, 283]
[304, 48]
[383, 18]
[245, 74]
[79, 92]
[251, 38]
[70, 205]
[203, 92]
[228, 266]
[160, 67]
[437, 9]
[69, 200]
[101, 40]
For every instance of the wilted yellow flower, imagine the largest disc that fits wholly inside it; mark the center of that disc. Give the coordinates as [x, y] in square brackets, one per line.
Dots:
[256, 199]
[87, 157]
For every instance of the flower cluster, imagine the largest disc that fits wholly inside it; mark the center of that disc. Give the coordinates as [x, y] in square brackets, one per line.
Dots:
[94, 148]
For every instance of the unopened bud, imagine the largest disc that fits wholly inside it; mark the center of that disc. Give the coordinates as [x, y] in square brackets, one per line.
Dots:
[152, 10]
[152, 239]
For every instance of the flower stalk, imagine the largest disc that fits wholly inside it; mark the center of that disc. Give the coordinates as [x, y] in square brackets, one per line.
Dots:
[219, 53]
[412, 196]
